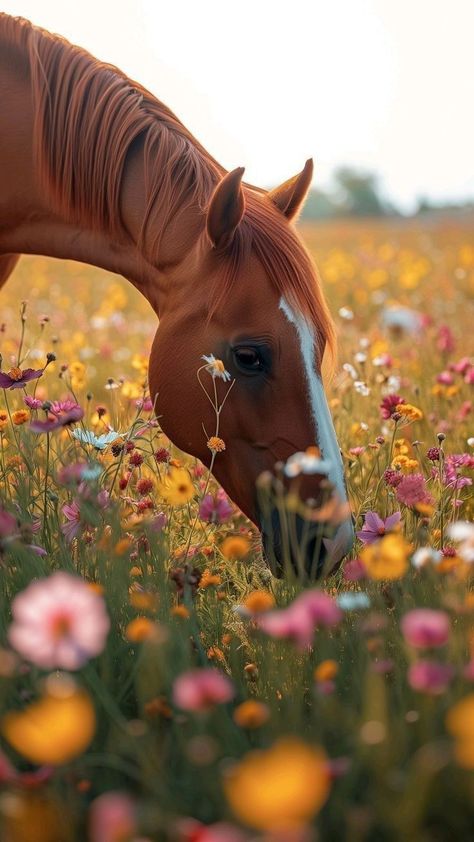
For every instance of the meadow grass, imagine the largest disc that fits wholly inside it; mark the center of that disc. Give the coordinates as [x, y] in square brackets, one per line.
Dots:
[359, 727]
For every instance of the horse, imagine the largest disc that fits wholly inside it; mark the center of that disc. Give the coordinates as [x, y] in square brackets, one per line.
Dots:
[94, 168]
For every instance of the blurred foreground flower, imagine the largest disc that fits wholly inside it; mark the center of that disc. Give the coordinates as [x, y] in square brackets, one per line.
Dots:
[430, 677]
[299, 621]
[177, 488]
[280, 788]
[424, 628]
[201, 689]
[386, 559]
[460, 723]
[58, 622]
[55, 729]
[112, 818]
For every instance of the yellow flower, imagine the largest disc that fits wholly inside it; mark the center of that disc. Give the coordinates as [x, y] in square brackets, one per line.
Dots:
[215, 444]
[20, 416]
[280, 788]
[386, 559]
[180, 611]
[258, 601]
[142, 629]
[460, 723]
[55, 729]
[177, 488]
[404, 463]
[34, 817]
[251, 714]
[326, 670]
[143, 600]
[235, 546]
[409, 412]
[209, 579]
[3, 419]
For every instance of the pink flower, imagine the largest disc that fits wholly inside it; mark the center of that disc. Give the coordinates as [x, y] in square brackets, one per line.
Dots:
[430, 677]
[374, 527]
[389, 405]
[64, 419]
[112, 818]
[58, 622]
[445, 377]
[412, 490]
[68, 405]
[73, 527]
[215, 508]
[299, 621]
[445, 342]
[354, 571]
[32, 403]
[190, 830]
[424, 628]
[201, 689]
[8, 524]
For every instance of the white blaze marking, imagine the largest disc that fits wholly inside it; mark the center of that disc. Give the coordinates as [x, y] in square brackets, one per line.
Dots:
[324, 429]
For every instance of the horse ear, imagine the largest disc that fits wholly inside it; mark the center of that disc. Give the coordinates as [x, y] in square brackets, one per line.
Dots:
[226, 208]
[289, 197]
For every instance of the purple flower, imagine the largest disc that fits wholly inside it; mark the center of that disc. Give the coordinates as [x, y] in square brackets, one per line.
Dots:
[63, 406]
[73, 525]
[389, 405]
[215, 508]
[430, 677]
[32, 403]
[374, 527]
[17, 377]
[58, 421]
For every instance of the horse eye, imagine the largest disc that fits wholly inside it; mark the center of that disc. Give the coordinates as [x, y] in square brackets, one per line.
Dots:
[248, 359]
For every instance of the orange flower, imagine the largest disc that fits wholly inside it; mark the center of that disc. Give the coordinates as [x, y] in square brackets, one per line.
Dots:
[141, 628]
[258, 601]
[180, 611]
[20, 416]
[251, 714]
[215, 444]
[3, 419]
[326, 671]
[235, 546]
[209, 579]
[460, 723]
[386, 559]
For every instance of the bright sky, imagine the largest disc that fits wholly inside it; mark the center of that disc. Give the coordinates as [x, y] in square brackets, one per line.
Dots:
[387, 85]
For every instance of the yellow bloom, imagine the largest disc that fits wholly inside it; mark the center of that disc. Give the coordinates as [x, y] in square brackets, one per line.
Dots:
[259, 601]
[215, 444]
[409, 412]
[55, 729]
[235, 546]
[20, 416]
[280, 788]
[326, 670]
[460, 723]
[141, 628]
[177, 488]
[251, 714]
[386, 559]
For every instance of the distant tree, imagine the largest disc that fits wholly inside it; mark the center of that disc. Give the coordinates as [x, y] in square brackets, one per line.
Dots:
[319, 205]
[358, 193]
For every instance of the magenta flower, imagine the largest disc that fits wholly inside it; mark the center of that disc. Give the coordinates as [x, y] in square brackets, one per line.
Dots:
[430, 677]
[299, 621]
[17, 377]
[112, 816]
[67, 405]
[389, 405]
[32, 403]
[58, 622]
[73, 526]
[354, 571]
[215, 508]
[374, 527]
[423, 628]
[8, 524]
[57, 421]
[412, 490]
[201, 689]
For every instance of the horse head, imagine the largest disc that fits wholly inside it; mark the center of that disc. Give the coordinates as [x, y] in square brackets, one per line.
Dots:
[247, 294]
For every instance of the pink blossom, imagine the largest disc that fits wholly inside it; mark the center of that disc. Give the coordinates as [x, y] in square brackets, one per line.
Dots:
[112, 818]
[374, 527]
[67, 405]
[430, 677]
[354, 571]
[190, 830]
[32, 403]
[463, 365]
[445, 377]
[468, 671]
[445, 341]
[299, 621]
[424, 628]
[8, 524]
[469, 376]
[201, 689]
[215, 508]
[389, 404]
[73, 527]
[58, 622]
[412, 490]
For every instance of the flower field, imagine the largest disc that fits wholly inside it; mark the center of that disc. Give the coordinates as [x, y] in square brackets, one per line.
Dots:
[156, 682]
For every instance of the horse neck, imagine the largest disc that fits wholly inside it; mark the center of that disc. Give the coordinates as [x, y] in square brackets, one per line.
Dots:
[32, 223]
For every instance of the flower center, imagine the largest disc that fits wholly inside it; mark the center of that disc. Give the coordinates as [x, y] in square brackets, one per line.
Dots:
[15, 374]
[60, 626]
[381, 530]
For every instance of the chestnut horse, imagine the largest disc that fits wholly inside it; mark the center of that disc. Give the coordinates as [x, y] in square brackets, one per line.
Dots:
[94, 168]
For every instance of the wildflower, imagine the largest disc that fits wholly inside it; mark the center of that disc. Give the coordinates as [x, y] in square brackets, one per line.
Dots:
[307, 462]
[99, 442]
[142, 629]
[279, 788]
[424, 555]
[392, 477]
[251, 714]
[177, 487]
[215, 367]
[235, 546]
[20, 416]
[201, 689]
[112, 817]
[136, 459]
[162, 455]
[409, 412]
[424, 628]
[460, 723]
[326, 670]
[73, 526]
[353, 600]
[299, 621]
[55, 729]
[412, 490]
[144, 486]
[215, 508]
[64, 419]
[387, 558]
[17, 377]
[389, 405]
[32, 403]
[463, 532]
[433, 454]
[257, 602]
[354, 571]
[216, 444]
[209, 580]
[3, 419]
[430, 677]
[374, 527]
[58, 622]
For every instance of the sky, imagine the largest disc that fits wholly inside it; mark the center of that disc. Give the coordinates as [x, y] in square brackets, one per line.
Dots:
[384, 85]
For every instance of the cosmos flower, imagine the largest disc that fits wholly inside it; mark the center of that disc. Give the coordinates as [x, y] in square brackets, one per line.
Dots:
[62, 420]
[375, 527]
[215, 508]
[16, 378]
[58, 622]
[298, 622]
[201, 689]
[99, 442]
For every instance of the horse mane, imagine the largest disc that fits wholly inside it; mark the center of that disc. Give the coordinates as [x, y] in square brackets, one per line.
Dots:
[89, 116]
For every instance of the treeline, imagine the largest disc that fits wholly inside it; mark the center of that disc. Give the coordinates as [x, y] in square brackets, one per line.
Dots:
[357, 193]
